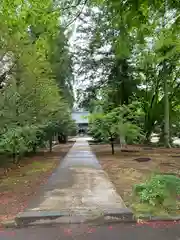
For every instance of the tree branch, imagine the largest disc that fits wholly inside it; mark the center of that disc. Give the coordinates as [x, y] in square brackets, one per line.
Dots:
[77, 16]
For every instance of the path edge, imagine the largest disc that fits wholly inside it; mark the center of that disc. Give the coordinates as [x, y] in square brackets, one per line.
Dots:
[121, 216]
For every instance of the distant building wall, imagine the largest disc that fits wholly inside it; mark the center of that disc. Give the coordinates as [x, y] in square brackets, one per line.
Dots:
[80, 117]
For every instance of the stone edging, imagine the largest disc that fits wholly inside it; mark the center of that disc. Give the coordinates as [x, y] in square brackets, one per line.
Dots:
[123, 215]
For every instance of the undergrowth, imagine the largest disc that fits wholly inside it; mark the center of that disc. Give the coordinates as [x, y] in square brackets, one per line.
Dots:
[160, 193]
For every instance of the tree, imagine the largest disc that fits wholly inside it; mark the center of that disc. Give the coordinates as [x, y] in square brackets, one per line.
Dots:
[116, 124]
[102, 128]
[60, 58]
[31, 102]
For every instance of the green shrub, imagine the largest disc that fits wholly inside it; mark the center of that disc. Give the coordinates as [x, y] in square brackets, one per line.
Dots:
[159, 190]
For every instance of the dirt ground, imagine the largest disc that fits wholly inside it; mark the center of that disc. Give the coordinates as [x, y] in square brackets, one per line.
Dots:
[124, 171]
[23, 183]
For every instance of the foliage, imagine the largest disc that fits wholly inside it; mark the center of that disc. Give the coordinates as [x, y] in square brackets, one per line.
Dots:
[132, 54]
[33, 105]
[116, 123]
[101, 127]
[159, 190]
[19, 140]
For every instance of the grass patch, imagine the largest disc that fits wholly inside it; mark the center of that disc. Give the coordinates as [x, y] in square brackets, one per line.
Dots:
[143, 209]
[158, 195]
[40, 167]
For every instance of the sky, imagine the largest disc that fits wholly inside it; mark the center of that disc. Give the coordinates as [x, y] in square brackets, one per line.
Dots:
[81, 39]
[75, 40]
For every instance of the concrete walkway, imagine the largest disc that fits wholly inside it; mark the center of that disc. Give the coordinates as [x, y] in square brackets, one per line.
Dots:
[78, 187]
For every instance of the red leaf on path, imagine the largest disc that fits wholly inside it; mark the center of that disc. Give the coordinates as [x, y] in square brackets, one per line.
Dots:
[91, 230]
[67, 231]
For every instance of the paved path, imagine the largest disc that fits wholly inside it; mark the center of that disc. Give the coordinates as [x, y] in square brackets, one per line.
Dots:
[79, 186]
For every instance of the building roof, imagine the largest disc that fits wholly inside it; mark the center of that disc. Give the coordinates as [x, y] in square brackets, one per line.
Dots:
[80, 116]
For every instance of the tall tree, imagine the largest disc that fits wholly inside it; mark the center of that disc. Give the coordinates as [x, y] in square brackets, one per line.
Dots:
[62, 66]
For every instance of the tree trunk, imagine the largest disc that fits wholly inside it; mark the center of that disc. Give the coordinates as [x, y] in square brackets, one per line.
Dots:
[166, 114]
[18, 159]
[34, 148]
[147, 138]
[62, 138]
[65, 139]
[166, 91]
[112, 147]
[59, 139]
[50, 144]
[14, 157]
[18, 79]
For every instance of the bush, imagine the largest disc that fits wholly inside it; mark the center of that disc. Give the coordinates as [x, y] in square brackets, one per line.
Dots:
[160, 190]
[19, 140]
